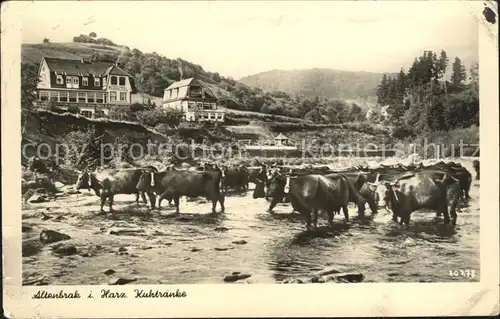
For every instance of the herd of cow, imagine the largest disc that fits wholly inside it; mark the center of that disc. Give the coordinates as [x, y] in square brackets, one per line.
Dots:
[400, 189]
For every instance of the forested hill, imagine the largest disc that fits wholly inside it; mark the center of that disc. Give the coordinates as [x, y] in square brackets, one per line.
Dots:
[317, 82]
[153, 72]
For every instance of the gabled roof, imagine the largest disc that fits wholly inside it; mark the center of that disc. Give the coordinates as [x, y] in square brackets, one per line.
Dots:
[116, 70]
[192, 82]
[75, 67]
[281, 137]
[181, 83]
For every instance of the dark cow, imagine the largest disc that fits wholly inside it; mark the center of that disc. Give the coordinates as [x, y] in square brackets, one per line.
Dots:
[311, 193]
[110, 182]
[457, 171]
[236, 178]
[409, 192]
[368, 192]
[383, 173]
[475, 164]
[174, 184]
[278, 192]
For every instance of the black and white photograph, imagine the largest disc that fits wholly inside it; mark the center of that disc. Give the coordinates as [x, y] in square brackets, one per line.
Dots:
[167, 144]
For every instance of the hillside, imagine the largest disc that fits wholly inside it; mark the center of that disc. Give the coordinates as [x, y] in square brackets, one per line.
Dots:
[153, 72]
[329, 83]
[32, 54]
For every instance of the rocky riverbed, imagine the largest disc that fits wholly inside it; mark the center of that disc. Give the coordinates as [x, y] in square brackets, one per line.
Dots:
[66, 241]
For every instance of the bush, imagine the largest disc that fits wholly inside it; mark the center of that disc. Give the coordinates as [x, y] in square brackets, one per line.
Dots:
[118, 115]
[402, 132]
[77, 140]
[158, 116]
[450, 142]
[56, 109]
[137, 107]
[73, 109]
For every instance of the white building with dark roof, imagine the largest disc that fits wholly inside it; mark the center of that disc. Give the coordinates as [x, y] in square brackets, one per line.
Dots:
[195, 100]
[88, 85]
[281, 139]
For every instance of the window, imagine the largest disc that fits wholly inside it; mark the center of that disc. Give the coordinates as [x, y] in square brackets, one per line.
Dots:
[90, 97]
[63, 96]
[75, 80]
[81, 97]
[104, 81]
[60, 79]
[175, 93]
[191, 105]
[122, 81]
[54, 96]
[112, 94]
[44, 96]
[99, 98]
[97, 81]
[195, 91]
[69, 80]
[72, 96]
[113, 80]
[85, 81]
[86, 113]
[123, 96]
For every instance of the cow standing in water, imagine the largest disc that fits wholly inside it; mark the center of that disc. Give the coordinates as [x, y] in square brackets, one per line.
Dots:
[409, 192]
[367, 191]
[174, 184]
[108, 183]
[310, 193]
[236, 178]
[457, 171]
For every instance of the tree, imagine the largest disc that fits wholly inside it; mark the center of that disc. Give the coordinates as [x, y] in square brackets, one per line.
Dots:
[383, 90]
[474, 75]
[435, 110]
[93, 35]
[442, 64]
[46, 40]
[29, 83]
[459, 73]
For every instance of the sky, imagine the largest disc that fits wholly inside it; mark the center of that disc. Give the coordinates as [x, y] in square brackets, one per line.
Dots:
[239, 38]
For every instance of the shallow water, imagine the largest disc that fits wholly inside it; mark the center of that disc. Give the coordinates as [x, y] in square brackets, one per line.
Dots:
[197, 247]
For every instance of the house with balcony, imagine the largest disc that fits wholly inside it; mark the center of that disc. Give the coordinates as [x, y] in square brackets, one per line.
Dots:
[91, 86]
[196, 101]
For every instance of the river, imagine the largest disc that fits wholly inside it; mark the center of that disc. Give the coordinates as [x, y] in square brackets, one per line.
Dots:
[198, 247]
